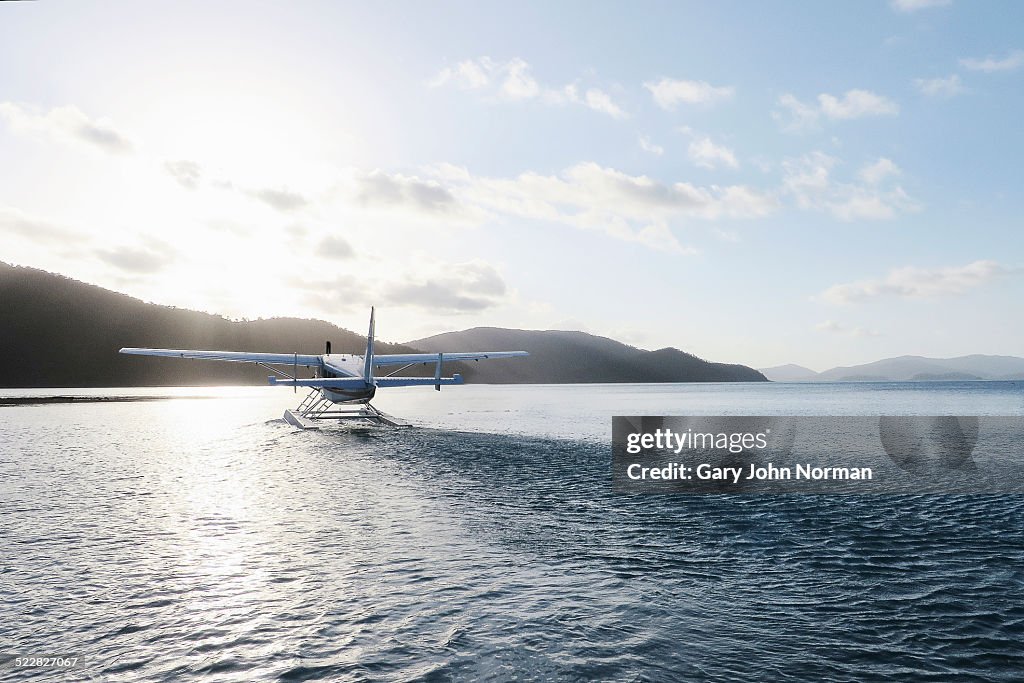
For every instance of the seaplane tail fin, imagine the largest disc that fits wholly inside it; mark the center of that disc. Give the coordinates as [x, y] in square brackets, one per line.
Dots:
[368, 359]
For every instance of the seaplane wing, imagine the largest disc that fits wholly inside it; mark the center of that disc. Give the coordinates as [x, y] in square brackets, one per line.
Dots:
[411, 358]
[304, 360]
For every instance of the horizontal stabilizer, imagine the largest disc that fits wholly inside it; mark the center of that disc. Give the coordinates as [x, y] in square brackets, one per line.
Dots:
[417, 381]
[325, 383]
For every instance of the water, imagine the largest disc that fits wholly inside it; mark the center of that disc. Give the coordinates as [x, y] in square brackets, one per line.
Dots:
[204, 539]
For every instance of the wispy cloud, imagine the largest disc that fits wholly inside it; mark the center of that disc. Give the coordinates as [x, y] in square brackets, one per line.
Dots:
[1011, 62]
[705, 153]
[592, 98]
[834, 327]
[809, 181]
[151, 256]
[915, 5]
[589, 196]
[281, 199]
[599, 100]
[15, 222]
[669, 93]
[512, 80]
[66, 123]
[465, 287]
[470, 74]
[856, 104]
[335, 248]
[187, 173]
[853, 104]
[796, 115]
[913, 282]
[878, 171]
[462, 287]
[648, 146]
[394, 190]
[940, 87]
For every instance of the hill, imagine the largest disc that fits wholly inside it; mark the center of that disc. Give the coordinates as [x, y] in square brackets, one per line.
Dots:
[789, 373]
[920, 368]
[59, 332]
[561, 356]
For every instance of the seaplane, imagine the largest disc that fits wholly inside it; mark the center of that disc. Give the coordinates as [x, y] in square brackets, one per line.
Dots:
[343, 383]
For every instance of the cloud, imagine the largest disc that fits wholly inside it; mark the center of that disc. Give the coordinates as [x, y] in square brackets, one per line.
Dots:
[801, 116]
[727, 236]
[913, 282]
[296, 231]
[648, 146]
[187, 173]
[1011, 62]
[915, 5]
[461, 287]
[809, 181]
[232, 227]
[342, 292]
[66, 123]
[668, 93]
[513, 81]
[591, 185]
[518, 84]
[594, 98]
[703, 152]
[378, 188]
[627, 207]
[879, 171]
[334, 247]
[828, 326]
[153, 256]
[449, 287]
[940, 87]
[14, 222]
[280, 199]
[833, 327]
[587, 196]
[600, 101]
[469, 74]
[854, 104]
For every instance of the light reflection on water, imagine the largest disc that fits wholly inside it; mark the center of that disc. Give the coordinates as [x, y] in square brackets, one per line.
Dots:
[205, 539]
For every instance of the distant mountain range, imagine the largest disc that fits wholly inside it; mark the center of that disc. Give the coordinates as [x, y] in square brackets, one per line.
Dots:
[908, 368]
[789, 373]
[58, 332]
[565, 357]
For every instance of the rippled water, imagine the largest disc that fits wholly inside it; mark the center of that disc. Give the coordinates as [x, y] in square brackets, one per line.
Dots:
[198, 539]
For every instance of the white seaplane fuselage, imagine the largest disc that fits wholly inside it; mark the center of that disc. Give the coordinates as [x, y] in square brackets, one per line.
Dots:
[337, 365]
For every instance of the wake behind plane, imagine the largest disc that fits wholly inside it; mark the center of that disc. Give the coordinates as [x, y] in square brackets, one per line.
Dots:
[343, 383]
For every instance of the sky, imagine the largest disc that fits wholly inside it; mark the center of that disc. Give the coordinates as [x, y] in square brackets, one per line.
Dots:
[761, 183]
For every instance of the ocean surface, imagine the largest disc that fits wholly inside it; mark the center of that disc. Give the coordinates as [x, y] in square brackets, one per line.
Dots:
[200, 538]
